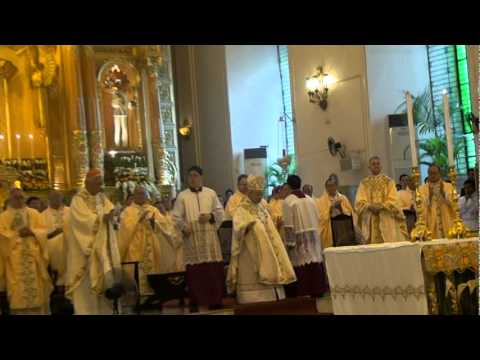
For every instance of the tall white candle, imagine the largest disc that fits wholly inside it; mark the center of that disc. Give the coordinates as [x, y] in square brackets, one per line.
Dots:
[448, 129]
[18, 147]
[412, 130]
[32, 153]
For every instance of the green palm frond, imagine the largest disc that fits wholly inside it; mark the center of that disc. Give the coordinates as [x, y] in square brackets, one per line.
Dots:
[434, 151]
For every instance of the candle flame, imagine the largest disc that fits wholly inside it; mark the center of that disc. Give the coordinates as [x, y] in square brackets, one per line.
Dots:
[30, 136]
[18, 136]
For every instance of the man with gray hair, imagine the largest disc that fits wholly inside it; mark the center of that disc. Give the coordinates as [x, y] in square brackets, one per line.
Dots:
[92, 250]
[380, 217]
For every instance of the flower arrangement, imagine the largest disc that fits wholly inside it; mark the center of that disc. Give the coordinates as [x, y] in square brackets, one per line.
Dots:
[32, 173]
[116, 79]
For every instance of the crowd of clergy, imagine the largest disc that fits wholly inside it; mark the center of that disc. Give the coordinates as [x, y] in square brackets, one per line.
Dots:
[276, 249]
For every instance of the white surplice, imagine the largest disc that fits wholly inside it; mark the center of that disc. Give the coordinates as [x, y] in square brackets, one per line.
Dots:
[92, 254]
[203, 245]
[469, 211]
[406, 199]
[301, 218]
[55, 219]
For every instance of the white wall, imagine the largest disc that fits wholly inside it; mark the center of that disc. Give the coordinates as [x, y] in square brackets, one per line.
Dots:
[370, 85]
[391, 70]
[213, 114]
[255, 100]
[346, 118]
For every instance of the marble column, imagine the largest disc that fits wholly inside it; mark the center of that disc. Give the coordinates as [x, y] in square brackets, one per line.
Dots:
[90, 93]
[74, 112]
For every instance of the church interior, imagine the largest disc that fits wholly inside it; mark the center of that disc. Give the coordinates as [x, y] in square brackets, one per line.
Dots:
[146, 116]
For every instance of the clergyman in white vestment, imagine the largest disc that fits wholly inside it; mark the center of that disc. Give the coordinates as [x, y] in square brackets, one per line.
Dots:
[92, 249]
[259, 265]
[54, 219]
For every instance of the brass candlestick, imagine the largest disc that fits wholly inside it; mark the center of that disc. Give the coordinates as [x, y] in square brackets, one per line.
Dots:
[458, 230]
[420, 232]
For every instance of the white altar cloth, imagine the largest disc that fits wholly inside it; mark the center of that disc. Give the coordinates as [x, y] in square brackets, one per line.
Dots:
[382, 279]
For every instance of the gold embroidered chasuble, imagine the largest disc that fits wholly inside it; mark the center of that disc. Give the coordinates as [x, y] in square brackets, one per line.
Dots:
[152, 242]
[387, 226]
[439, 213]
[27, 281]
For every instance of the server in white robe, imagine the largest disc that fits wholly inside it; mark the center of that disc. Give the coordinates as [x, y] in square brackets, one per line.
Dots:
[468, 205]
[198, 214]
[54, 220]
[301, 219]
[93, 256]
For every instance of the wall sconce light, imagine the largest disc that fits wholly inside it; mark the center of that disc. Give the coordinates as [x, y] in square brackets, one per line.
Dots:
[186, 129]
[317, 88]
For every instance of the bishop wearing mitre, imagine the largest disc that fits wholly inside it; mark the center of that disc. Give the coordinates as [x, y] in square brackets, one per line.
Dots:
[437, 198]
[238, 197]
[93, 257]
[259, 264]
[147, 237]
[380, 217]
[54, 218]
[23, 244]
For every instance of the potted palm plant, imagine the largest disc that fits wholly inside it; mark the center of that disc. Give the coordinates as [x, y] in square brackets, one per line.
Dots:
[434, 146]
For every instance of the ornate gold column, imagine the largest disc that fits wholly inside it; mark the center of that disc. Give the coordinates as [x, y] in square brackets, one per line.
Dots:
[157, 148]
[73, 109]
[7, 70]
[90, 93]
[164, 129]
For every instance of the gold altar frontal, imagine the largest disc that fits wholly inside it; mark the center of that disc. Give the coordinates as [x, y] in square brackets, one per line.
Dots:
[67, 108]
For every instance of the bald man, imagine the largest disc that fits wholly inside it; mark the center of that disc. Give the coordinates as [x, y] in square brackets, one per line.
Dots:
[23, 246]
[437, 197]
[92, 249]
[380, 217]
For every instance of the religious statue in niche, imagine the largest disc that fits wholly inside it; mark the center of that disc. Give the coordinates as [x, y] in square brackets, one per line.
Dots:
[117, 82]
[43, 68]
